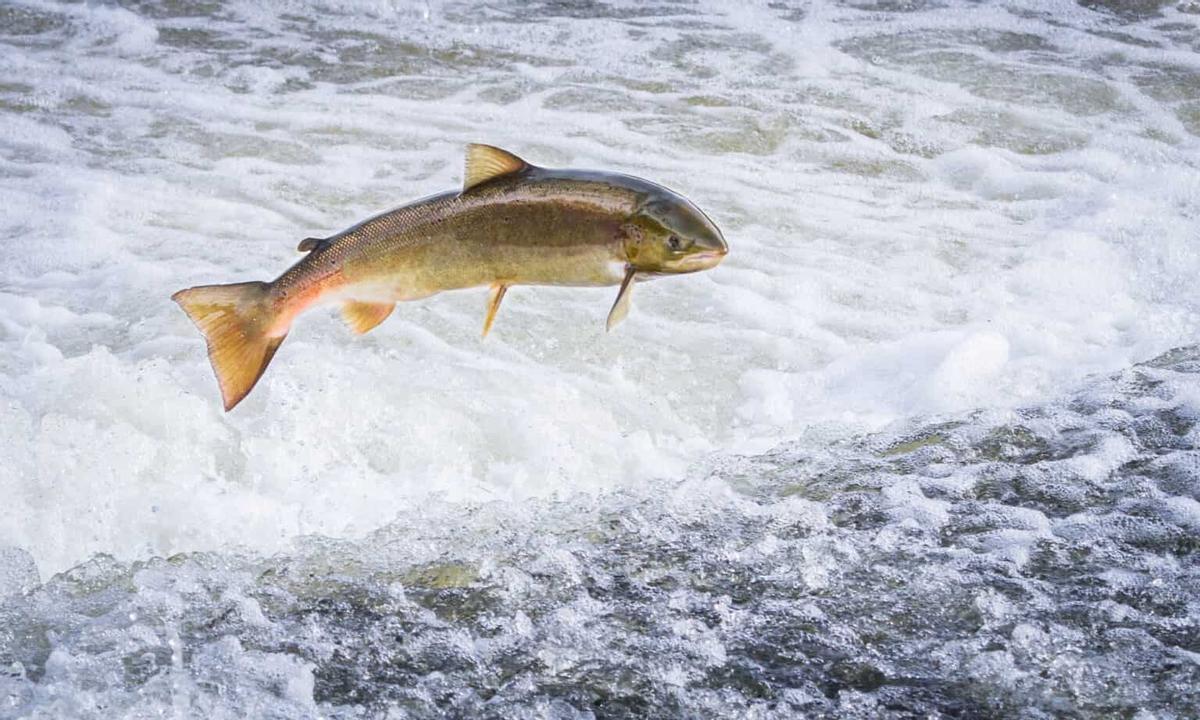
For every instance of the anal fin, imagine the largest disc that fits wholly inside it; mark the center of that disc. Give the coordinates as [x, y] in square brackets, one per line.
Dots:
[494, 299]
[363, 316]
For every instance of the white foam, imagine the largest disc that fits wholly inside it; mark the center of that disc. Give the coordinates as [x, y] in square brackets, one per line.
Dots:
[910, 235]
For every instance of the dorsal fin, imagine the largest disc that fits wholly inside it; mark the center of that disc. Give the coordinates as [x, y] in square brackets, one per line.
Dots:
[308, 244]
[485, 162]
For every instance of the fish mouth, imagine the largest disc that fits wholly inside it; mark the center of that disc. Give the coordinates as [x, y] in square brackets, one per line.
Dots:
[703, 260]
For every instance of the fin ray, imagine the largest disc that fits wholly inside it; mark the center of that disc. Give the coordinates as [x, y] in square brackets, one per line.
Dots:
[234, 320]
[494, 299]
[485, 162]
[362, 317]
[621, 306]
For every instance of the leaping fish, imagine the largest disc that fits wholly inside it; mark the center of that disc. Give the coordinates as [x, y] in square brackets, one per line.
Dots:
[511, 224]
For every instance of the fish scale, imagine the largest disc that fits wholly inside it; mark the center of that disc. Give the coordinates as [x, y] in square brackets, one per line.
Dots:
[512, 224]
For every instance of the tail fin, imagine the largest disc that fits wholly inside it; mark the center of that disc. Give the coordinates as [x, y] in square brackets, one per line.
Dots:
[235, 320]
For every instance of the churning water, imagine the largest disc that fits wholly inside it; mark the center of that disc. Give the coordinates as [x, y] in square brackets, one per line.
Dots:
[924, 445]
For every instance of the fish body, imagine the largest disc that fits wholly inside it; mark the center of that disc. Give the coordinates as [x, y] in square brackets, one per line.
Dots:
[512, 224]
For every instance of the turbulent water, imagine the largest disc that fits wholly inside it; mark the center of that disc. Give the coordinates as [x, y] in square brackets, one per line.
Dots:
[926, 444]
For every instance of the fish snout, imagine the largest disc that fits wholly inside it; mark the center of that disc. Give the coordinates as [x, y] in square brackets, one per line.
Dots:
[709, 253]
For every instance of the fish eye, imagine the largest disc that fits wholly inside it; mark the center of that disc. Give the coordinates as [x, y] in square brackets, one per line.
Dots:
[675, 243]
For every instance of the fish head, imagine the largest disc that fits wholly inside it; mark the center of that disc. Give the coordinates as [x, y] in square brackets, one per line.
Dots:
[667, 234]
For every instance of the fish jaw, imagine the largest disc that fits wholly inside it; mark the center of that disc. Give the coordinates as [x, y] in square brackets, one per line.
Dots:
[703, 260]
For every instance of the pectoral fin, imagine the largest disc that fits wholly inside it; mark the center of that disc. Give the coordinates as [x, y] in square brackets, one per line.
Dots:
[620, 308]
[494, 299]
[362, 316]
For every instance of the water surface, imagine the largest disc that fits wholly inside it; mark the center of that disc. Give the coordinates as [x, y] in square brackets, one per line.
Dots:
[925, 444]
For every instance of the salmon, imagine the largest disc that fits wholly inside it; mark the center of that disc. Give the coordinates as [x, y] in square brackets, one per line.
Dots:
[512, 223]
